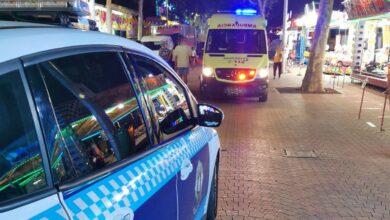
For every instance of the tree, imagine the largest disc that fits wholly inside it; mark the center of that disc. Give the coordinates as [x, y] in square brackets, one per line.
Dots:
[312, 82]
[140, 18]
[265, 7]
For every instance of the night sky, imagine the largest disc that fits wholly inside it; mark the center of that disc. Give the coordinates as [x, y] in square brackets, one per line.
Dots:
[275, 18]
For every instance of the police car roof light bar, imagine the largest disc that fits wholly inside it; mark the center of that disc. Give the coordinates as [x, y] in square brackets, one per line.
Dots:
[78, 7]
[37, 4]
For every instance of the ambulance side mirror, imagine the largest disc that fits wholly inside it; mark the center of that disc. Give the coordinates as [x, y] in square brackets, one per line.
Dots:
[209, 116]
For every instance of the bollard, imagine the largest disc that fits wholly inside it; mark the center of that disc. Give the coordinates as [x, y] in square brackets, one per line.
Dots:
[383, 112]
[388, 83]
[386, 97]
[364, 85]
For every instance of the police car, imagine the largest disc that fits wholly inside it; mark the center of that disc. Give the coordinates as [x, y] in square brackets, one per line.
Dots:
[94, 126]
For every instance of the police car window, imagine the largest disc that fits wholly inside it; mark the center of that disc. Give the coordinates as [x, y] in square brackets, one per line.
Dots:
[163, 91]
[21, 170]
[77, 143]
[236, 41]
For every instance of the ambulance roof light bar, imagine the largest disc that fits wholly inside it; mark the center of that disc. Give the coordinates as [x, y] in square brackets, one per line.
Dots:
[245, 11]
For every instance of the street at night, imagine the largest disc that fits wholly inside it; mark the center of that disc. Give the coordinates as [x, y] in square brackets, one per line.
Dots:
[348, 179]
[195, 110]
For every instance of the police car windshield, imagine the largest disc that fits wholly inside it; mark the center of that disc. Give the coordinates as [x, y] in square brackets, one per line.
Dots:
[236, 41]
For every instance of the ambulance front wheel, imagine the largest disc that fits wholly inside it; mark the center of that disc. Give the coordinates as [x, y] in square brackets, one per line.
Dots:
[263, 98]
[202, 92]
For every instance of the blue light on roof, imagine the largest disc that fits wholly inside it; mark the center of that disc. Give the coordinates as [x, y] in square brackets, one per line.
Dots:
[247, 11]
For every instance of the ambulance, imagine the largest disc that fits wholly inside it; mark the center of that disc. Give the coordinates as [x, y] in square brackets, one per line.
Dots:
[235, 60]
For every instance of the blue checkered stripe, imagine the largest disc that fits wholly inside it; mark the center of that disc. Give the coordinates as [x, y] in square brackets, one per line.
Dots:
[135, 184]
[55, 212]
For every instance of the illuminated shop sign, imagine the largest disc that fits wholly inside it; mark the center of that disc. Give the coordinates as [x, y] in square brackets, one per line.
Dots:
[169, 29]
[366, 8]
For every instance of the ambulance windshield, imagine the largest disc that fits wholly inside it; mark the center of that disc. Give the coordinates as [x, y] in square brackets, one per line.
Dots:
[236, 41]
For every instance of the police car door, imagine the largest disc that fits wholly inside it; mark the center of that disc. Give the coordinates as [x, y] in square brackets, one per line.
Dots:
[26, 189]
[97, 179]
[167, 97]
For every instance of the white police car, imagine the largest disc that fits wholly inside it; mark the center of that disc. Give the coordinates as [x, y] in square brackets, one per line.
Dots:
[94, 126]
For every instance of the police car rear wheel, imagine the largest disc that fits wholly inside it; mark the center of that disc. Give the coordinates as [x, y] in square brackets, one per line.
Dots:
[213, 198]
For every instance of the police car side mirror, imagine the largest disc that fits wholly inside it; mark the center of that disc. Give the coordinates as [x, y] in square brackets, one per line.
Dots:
[175, 121]
[209, 116]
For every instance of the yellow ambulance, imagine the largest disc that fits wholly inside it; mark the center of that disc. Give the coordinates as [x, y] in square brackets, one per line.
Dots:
[235, 60]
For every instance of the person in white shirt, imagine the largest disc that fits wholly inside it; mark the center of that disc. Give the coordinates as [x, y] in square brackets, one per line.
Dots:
[181, 57]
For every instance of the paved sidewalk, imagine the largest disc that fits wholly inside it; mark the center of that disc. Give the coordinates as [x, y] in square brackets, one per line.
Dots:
[350, 179]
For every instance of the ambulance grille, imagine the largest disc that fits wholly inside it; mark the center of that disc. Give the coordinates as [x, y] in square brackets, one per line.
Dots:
[226, 73]
[231, 73]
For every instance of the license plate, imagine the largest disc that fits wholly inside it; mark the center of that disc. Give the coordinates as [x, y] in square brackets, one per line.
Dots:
[234, 91]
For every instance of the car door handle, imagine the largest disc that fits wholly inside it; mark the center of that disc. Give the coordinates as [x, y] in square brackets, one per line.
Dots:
[123, 214]
[186, 169]
[128, 216]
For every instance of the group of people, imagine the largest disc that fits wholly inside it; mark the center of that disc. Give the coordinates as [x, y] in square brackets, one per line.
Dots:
[180, 58]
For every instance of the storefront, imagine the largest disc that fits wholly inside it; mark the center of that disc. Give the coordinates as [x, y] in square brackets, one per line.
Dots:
[124, 21]
[369, 23]
[337, 57]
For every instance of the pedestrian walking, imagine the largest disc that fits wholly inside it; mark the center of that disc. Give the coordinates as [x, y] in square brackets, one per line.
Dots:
[278, 61]
[193, 56]
[181, 56]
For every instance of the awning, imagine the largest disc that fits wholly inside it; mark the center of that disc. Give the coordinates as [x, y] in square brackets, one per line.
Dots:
[359, 9]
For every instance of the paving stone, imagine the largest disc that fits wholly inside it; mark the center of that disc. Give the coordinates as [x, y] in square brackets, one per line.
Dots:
[350, 179]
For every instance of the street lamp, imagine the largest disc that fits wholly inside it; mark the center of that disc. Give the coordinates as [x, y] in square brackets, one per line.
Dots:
[285, 9]
[167, 10]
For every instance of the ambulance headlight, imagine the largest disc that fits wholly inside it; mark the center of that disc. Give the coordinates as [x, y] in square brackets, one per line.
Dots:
[263, 73]
[207, 72]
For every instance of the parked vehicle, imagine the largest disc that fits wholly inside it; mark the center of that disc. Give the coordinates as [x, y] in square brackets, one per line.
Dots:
[154, 42]
[178, 32]
[97, 126]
